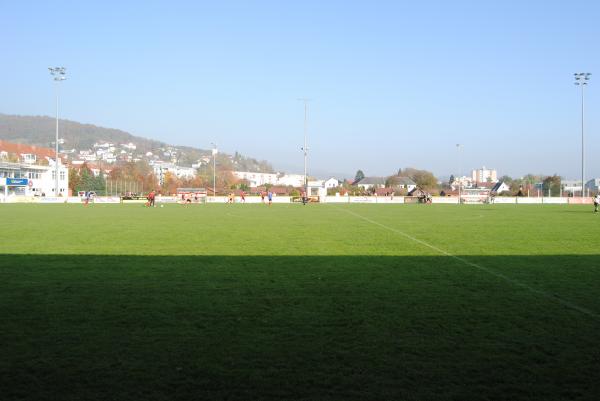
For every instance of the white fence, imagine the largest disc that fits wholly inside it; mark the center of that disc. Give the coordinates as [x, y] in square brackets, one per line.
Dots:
[287, 199]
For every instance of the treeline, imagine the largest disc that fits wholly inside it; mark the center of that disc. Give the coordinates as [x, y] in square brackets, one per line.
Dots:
[138, 177]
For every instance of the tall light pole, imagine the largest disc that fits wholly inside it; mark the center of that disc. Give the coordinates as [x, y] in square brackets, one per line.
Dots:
[59, 74]
[305, 147]
[458, 145]
[214, 153]
[581, 79]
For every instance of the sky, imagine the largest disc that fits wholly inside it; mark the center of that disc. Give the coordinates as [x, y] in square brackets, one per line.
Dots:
[391, 84]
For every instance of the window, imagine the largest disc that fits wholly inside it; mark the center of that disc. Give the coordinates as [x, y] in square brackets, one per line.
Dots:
[62, 175]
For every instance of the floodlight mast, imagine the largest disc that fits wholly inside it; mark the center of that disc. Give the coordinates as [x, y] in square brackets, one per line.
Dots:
[458, 145]
[214, 153]
[59, 74]
[581, 79]
[305, 147]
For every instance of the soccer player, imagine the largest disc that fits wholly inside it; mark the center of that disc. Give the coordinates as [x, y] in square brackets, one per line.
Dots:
[243, 195]
[151, 197]
[304, 198]
[596, 202]
[270, 197]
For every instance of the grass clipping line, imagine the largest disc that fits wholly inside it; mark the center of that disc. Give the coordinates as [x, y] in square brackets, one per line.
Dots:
[492, 272]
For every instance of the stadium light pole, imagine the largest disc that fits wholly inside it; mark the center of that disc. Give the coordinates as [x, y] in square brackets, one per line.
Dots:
[305, 147]
[458, 145]
[581, 79]
[58, 74]
[214, 153]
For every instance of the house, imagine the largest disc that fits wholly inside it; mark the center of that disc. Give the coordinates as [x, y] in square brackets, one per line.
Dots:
[402, 183]
[332, 183]
[500, 187]
[371, 182]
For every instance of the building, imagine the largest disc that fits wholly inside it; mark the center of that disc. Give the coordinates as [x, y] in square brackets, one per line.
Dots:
[34, 164]
[484, 175]
[402, 183]
[257, 179]
[331, 183]
[463, 182]
[500, 187]
[161, 168]
[371, 182]
[293, 180]
[593, 185]
[571, 187]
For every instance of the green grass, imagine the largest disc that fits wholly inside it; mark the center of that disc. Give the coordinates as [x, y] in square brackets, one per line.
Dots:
[316, 302]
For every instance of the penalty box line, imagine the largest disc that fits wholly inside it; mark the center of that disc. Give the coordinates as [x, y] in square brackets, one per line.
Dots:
[492, 272]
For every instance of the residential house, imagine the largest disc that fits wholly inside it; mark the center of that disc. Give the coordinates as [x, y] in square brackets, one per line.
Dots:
[500, 187]
[371, 182]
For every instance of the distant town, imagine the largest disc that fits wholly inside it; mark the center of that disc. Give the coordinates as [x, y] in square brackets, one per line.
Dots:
[108, 168]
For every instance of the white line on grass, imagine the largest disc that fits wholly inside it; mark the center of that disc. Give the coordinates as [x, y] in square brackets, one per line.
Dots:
[512, 281]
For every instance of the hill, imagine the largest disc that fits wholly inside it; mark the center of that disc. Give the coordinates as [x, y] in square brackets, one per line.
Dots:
[40, 131]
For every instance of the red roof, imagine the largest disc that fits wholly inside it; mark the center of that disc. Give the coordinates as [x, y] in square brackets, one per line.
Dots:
[19, 148]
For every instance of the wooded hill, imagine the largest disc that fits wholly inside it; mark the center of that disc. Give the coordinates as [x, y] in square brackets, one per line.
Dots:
[40, 131]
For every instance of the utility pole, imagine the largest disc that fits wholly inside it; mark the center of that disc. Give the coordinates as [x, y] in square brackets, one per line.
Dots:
[59, 74]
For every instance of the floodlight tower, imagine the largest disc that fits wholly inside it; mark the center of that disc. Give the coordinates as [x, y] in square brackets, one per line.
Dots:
[305, 147]
[581, 79]
[214, 154]
[458, 146]
[58, 74]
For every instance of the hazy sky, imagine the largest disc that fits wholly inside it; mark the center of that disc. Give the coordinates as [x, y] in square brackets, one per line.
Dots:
[393, 84]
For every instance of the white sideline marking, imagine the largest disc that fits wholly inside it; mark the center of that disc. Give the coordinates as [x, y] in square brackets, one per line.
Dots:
[512, 281]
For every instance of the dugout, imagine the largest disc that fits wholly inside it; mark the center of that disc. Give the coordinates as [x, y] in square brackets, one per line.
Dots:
[192, 195]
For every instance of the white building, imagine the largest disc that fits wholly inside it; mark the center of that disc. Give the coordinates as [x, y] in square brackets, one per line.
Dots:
[316, 183]
[130, 146]
[35, 168]
[484, 175]
[256, 179]
[463, 182]
[161, 168]
[294, 180]
[331, 183]
[571, 186]
[40, 179]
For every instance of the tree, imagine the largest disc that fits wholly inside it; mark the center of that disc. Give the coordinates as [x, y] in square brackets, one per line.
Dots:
[451, 180]
[425, 179]
[551, 184]
[359, 176]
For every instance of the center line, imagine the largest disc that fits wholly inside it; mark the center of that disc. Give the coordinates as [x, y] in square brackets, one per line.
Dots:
[495, 273]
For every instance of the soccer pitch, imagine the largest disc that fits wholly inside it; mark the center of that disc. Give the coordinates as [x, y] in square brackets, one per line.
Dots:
[315, 302]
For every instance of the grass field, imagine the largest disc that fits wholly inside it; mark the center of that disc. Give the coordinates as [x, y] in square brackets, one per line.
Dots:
[316, 302]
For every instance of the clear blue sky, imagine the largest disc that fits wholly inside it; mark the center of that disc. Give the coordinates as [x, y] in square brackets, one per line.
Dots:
[393, 84]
